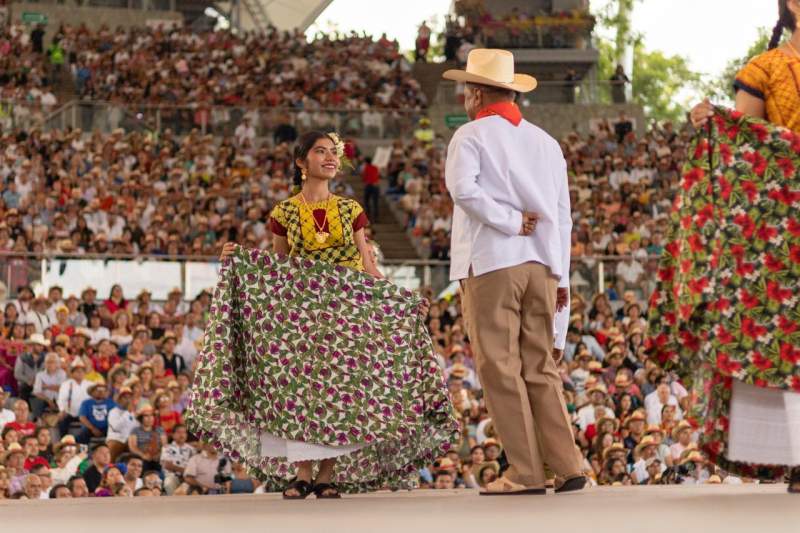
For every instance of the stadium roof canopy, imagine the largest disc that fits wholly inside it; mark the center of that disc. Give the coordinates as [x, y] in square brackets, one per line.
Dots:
[290, 14]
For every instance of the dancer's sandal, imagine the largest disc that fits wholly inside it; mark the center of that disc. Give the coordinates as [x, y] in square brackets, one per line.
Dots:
[301, 487]
[794, 481]
[326, 491]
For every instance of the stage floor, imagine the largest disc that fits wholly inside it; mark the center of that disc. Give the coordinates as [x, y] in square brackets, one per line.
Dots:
[673, 509]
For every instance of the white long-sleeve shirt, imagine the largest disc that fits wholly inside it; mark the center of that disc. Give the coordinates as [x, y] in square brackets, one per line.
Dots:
[43, 379]
[71, 395]
[121, 423]
[494, 172]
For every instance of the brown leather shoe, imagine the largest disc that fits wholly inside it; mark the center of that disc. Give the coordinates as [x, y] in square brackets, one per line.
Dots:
[571, 484]
[505, 487]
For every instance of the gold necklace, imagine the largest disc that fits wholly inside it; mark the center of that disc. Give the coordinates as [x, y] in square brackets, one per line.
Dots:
[320, 236]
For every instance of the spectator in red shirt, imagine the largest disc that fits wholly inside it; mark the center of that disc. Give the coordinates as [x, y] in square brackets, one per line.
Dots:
[106, 357]
[372, 177]
[116, 300]
[30, 445]
[62, 325]
[21, 421]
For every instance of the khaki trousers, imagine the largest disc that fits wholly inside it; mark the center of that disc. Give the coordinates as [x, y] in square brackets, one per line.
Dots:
[116, 448]
[509, 316]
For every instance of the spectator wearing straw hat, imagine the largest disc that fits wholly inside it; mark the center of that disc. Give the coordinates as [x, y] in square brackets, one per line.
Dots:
[93, 413]
[681, 439]
[172, 361]
[635, 427]
[71, 395]
[694, 468]
[38, 315]
[67, 459]
[657, 434]
[644, 452]
[121, 422]
[13, 459]
[147, 440]
[598, 398]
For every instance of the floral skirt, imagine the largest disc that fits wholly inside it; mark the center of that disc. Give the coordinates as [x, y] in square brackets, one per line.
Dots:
[313, 353]
[726, 309]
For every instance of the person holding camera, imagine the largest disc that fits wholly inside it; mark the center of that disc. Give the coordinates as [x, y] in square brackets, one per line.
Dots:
[207, 470]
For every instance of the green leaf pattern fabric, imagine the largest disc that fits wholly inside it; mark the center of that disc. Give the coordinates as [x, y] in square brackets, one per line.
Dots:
[322, 354]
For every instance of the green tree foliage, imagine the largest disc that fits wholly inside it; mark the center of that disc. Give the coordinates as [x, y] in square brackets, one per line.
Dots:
[721, 89]
[658, 79]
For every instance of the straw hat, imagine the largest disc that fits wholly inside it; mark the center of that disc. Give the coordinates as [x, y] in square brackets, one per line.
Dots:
[493, 67]
[646, 442]
[693, 457]
[598, 387]
[66, 440]
[615, 447]
[13, 448]
[636, 415]
[491, 442]
[682, 425]
[145, 410]
[653, 428]
[37, 338]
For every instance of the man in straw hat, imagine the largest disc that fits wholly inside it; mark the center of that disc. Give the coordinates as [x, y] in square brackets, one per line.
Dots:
[510, 250]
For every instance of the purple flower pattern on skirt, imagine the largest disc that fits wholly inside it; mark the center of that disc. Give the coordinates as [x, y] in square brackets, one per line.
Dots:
[336, 358]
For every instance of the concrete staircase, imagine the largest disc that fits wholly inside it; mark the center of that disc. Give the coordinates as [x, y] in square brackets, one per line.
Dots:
[429, 75]
[389, 233]
[64, 89]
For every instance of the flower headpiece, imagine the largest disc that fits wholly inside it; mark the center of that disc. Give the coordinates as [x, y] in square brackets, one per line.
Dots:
[344, 161]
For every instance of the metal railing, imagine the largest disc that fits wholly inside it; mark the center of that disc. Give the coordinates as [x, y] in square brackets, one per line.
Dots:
[159, 274]
[586, 91]
[21, 114]
[223, 120]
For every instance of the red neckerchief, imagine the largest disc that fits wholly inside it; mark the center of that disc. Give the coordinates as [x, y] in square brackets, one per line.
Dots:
[507, 110]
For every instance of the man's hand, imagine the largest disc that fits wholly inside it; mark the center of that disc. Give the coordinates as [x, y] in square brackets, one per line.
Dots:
[562, 297]
[557, 355]
[529, 221]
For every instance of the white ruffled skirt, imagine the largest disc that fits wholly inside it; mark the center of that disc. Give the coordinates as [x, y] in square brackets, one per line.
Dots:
[764, 426]
[295, 451]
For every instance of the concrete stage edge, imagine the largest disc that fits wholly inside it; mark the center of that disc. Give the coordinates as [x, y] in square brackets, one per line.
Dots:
[673, 509]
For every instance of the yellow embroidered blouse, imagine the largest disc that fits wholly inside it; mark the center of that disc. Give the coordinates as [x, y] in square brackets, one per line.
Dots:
[774, 77]
[340, 217]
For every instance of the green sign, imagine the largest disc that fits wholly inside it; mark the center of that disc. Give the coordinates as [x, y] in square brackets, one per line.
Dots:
[29, 17]
[454, 121]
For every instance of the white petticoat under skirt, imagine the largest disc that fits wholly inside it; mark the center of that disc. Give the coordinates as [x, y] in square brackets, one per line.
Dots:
[295, 451]
[764, 426]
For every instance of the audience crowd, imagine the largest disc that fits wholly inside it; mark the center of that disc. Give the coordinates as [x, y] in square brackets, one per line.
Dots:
[521, 28]
[26, 74]
[66, 192]
[183, 67]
